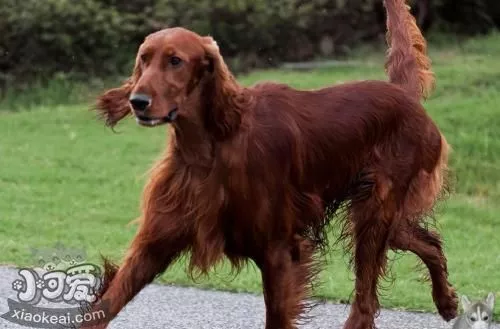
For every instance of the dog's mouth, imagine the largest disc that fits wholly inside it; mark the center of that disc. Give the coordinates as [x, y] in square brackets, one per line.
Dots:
[153, 122]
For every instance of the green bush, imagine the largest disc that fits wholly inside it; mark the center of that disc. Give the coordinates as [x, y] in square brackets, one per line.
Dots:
[39, 38]
[467, 16]
[100, 36]
[43, 37]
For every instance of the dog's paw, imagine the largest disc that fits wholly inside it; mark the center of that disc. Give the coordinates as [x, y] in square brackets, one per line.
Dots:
[448, 306]
[356, 321]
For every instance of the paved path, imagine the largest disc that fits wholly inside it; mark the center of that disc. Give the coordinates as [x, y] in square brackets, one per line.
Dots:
[166, 307]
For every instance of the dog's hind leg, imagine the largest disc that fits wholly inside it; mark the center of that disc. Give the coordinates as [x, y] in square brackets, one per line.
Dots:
[425, 188]
[427, 246]
[287, 272]
[370, 232]
[372, 212]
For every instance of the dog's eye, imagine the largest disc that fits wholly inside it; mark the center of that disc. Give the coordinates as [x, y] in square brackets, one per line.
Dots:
[473, 318]
[175, 61]
[485, 318]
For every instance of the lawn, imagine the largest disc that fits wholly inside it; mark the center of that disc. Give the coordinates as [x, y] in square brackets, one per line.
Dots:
[65, 177]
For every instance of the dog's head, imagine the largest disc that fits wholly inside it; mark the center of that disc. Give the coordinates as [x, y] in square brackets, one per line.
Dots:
[478, 314]
[177, 74]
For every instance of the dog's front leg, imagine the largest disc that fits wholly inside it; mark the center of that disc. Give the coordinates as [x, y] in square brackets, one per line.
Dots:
[287, 272]
[160, 240]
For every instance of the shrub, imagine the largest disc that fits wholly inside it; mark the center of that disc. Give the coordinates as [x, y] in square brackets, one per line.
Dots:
[99, 37]
[40, 37]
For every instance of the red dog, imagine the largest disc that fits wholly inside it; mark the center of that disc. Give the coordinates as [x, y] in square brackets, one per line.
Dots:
[252, 173]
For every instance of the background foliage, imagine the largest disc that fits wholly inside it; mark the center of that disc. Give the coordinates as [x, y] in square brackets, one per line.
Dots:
[97, 37]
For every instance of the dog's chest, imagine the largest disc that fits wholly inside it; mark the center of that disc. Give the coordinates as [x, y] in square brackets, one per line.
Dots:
[241, 231]
[245, 224]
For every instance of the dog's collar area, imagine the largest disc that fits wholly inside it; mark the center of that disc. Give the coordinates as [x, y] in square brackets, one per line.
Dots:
[152, 122]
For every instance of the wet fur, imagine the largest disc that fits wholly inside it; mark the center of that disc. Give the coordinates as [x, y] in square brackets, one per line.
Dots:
[256, 172]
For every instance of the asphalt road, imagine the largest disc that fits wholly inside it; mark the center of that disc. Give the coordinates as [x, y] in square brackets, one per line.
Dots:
[166, 307]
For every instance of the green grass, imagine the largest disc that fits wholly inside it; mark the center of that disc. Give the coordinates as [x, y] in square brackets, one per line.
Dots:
[65, 177]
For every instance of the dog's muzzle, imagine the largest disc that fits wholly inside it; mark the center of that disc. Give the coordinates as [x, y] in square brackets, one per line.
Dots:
[152, 122]
[140, 103]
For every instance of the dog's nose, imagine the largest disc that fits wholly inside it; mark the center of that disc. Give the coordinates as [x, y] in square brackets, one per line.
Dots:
[140, 102]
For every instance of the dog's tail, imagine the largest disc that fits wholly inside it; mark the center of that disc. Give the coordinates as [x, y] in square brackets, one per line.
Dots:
[407, 62]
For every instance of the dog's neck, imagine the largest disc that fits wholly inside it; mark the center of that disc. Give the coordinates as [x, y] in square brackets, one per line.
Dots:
[193, 142]
[216, 113]
[224, 102]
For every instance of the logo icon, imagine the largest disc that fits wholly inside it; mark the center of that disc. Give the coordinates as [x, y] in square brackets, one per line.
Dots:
[61, 278]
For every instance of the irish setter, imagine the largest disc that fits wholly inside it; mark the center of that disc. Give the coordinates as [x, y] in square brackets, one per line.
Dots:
[255, 173]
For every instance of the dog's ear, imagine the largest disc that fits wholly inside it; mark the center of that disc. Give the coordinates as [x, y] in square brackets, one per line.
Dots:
[223, 93]
[490, 300]
[113, 105]
[465, 302]
[213, 56]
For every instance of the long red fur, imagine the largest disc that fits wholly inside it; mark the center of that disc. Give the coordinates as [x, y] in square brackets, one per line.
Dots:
[253, 173]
